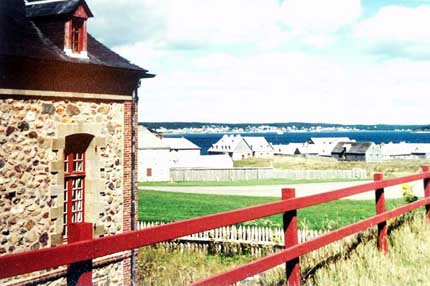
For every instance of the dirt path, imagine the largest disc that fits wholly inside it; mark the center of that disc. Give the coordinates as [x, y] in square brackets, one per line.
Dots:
[301, 190]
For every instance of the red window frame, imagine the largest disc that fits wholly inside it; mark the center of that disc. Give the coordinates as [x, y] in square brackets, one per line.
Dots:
[77, 35]
[74, 189]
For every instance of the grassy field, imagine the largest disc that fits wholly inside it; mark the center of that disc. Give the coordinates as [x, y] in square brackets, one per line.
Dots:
[389, 168]
[240, 183]
[409, 253]
[157, 266]
[404, 265]
[167, 206]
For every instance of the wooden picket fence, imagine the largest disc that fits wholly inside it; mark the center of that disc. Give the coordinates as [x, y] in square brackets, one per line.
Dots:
[261, 173]
[265, 236]
[245, 239]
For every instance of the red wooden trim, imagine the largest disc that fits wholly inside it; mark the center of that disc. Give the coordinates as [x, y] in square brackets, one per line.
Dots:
[81, 37]
[382, 241]
[291, 238]
[84, 169]
[21, 263]
[426, 182]
[69, 182]
[84, 37]
[81, 12]
[268, 262]
[80, 274]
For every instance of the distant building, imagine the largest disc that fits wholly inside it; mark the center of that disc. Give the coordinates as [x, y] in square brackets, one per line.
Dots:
[222, 161]
[357, 151]
[309, 149]
[328, 140]
[181, 150]
[287, 149]
[304, 149]
[400, 150]
[234, 146]
[260, 147]
[323, 146]
[154, 157]
[421, 151]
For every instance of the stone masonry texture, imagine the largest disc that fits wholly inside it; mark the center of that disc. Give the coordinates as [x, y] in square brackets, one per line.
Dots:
[32, 134]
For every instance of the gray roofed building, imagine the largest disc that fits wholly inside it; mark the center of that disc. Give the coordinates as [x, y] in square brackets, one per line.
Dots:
[259, 146]
[233, 145]
[357, 151]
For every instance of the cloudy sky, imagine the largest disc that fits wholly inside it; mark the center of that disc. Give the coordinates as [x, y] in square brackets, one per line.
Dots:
[338, 61]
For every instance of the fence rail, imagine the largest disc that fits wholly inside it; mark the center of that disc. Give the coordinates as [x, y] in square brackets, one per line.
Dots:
[80, 252]
[244, 174]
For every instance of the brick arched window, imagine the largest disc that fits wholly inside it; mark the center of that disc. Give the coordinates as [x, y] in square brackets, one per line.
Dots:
[74, 179]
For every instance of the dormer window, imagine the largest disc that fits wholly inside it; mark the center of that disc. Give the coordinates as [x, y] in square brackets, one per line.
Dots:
[77, 36]
[63, 22]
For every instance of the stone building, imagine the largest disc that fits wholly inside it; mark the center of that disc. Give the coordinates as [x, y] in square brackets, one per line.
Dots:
[67, 126]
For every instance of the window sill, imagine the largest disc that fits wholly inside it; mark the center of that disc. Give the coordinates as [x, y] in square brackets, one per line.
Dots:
[82, 55]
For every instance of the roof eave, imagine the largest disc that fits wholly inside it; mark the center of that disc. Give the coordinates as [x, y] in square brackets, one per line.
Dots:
[69, 13]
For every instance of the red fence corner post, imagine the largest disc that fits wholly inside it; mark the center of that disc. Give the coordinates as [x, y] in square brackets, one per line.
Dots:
[426, 169]
[291, 239]
[380, 208]
[80, 273]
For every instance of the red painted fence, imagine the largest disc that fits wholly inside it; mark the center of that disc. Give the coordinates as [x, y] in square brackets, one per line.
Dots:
[78, 255]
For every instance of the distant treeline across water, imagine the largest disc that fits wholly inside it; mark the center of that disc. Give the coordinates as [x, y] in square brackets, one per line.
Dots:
[205, 141]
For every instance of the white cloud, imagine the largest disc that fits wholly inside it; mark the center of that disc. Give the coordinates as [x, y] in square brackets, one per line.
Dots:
[241, 68]
[285, 87]
[398, 30]
[316, 16]
[123, 22]
[210, 23]
[198, 23]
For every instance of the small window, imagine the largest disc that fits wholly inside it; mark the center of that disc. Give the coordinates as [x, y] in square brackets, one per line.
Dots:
[74, 179]
[149, 172]
[74, 189]
[77, 35]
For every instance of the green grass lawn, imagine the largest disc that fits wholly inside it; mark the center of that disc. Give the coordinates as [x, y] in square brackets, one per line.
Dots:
[241, 183]
[168, 206]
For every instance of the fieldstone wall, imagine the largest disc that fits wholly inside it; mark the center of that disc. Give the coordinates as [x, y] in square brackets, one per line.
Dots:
[110, 275]
[32, 140]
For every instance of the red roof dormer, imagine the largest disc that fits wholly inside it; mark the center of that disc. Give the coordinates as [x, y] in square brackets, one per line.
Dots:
[64, 22]
[75, 34]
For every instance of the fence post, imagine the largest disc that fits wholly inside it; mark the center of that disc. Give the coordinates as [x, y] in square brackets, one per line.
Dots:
[291, 239]
[427, 191]
[380, 208]
[80, 273]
